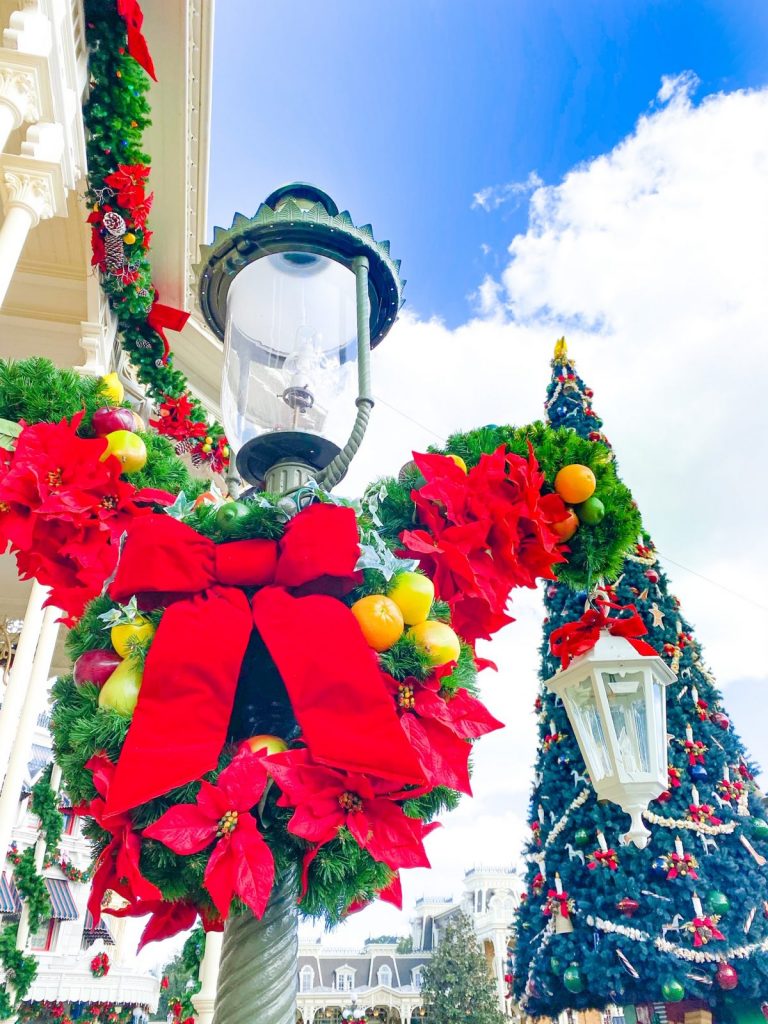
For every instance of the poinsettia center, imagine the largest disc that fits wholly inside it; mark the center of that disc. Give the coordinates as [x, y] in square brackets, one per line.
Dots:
[227, 824]
[109, 501]
[4, 506]
[55, 477]
[405, 697]
[351, 802]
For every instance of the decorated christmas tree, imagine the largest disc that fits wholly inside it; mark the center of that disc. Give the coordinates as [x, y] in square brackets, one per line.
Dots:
[458, 987]
[685, 920]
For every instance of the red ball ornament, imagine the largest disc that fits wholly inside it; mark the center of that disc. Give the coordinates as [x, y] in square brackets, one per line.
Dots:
[628, 906]
[726, 977]
[651, 575]
[719, 719]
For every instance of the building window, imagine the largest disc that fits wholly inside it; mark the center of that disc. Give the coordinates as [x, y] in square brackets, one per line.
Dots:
[44, 939]
[416, 977]
[344, 981]
[385, 976]
[306, 979]
[615, 1015]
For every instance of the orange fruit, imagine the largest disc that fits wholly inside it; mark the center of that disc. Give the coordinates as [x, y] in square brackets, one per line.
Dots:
[380, 620]
[459, 462]
[566, 528]
[413, 594]
[438, 640]
[575, 483]
[128, 448]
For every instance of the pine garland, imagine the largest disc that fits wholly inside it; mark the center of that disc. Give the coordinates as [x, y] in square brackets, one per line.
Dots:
[116, 115]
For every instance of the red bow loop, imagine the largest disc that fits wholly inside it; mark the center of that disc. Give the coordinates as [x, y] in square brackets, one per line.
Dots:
[342, 706]
[576, 638]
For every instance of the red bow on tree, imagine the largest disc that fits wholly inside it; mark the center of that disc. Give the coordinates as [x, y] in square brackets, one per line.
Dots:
[576, 638]
[162, 317]
[704, 929]
[342, 705]
[133, 16]
[557, 903]
[605, 858]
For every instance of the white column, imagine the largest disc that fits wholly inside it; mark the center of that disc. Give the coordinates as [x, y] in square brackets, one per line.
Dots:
[28, 198]
[205, 1000]
[18, 678]
[40, 847]
[19, 97]
[34, 703]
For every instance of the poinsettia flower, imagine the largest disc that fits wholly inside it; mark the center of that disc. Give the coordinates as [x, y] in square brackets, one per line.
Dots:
[117, 866]
[240, 862]
[326, 799]
[166, 918]
[392, 893]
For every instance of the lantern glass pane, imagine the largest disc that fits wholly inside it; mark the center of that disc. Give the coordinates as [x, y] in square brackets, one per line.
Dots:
[626, 700]
[588, 726]
[289, 345]
[660, 719]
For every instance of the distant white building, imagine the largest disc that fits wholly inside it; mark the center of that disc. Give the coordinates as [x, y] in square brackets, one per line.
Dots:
[67, 941]
[386, 985]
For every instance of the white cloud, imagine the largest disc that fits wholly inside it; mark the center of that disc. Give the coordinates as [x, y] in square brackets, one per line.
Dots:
[493, 196]
[653, 259]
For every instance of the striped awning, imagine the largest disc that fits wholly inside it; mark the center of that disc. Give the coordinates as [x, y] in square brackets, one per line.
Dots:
[10, 902]
[62, 904]
[93, 932]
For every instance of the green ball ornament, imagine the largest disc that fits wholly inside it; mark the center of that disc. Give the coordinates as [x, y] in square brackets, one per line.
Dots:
[718, 902]
[672, 991]
[554, 965]
[591, 511]
[582, 837]
[573, 979]
[229, 516]
[759, 828]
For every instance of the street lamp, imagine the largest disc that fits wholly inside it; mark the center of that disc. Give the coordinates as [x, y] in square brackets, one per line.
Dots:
[298, 294]
[616, 703]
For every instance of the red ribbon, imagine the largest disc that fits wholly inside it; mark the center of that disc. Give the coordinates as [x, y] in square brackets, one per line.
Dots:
[557, 902]
[331, 675]
[161, 318]
[133, 16]
[576, 638]
[704, 929]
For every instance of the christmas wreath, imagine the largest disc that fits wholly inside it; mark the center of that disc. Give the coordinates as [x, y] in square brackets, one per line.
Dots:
[100, 965]
[256, 693]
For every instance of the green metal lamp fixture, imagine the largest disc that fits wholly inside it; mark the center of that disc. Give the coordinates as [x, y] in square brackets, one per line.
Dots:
[298, 294]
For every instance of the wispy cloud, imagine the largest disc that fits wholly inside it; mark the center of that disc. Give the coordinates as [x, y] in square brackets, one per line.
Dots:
[512, 194]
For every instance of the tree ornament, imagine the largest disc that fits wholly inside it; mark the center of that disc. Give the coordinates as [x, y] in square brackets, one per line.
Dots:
[128, 448]
[658, 869]
[380, 620]
[413, 593]
[697, 772]
[107, 420]
[591, 512]
[129, 238]
[125, 635]
[230, 515]
[95, 667]
[120, 693]
[627, 906]
[652, 576]
[575, 483]
[573, 979]
[672, 991]
[759, 828]
[718, 902]
[581, 837]
[438, 640]
[112, 388]
[726, 977]
[720, 720]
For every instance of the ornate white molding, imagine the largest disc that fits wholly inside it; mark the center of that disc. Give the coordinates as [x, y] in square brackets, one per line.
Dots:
[35, 185]
[20, 90]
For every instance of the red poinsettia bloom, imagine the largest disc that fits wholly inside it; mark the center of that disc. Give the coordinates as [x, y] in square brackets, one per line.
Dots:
[174, 419]
[128, 183]
[439, 724]
[117, 867]
[240, 863]
[485, 532]
[392, 893]
[327, 799]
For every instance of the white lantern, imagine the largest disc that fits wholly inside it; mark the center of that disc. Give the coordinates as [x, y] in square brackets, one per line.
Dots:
[615, 701]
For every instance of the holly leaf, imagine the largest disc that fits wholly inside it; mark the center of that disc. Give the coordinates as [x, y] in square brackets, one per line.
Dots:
[9, 431]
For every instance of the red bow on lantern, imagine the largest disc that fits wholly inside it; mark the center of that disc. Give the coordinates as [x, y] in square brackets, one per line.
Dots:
[162, 317]
[576, 638]
[133, 16]
[341, 704]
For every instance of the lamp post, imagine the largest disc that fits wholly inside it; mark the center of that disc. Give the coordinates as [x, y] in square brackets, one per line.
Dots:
[616, 703]
[298, 294]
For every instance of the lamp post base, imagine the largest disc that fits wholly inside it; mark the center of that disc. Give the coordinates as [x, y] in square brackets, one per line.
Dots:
[285, 454]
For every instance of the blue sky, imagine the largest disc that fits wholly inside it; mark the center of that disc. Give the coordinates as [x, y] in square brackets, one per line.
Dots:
[404, 110]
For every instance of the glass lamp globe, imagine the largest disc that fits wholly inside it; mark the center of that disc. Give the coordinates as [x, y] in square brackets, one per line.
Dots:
[616, 704]
[297, 294]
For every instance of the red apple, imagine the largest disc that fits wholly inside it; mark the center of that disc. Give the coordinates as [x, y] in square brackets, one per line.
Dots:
[95, 667]
[106, 420]
[265, 744]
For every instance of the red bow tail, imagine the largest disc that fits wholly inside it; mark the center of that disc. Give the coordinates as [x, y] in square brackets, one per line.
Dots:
[576, 638]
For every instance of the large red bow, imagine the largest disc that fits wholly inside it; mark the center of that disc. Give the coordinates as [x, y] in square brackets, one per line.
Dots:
[161, 318]
[133, 16]
[576, 638]
[341, 704]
